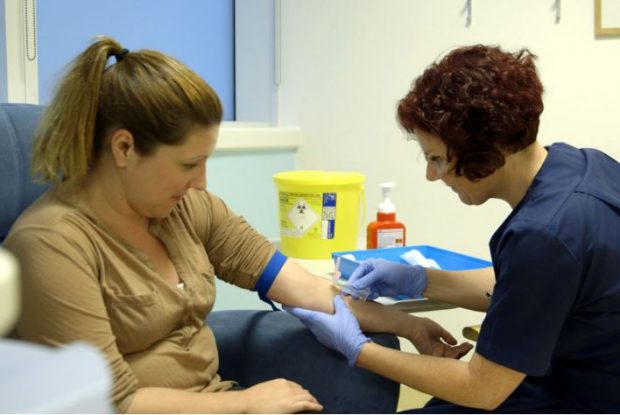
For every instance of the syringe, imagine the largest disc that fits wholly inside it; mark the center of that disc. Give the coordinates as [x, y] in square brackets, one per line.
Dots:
[342, 285]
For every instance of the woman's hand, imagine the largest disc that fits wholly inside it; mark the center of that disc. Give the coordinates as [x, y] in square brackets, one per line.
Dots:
[430, 338]
[280, 396]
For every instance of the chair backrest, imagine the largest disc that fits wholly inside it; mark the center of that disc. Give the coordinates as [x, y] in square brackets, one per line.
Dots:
[18, 123]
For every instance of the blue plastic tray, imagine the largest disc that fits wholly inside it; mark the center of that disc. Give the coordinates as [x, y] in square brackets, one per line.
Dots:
[447, 260]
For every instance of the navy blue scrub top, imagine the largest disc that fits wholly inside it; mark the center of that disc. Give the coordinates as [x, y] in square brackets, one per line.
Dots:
[555, 310]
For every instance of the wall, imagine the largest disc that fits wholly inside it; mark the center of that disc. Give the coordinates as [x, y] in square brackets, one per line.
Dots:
[346, 63]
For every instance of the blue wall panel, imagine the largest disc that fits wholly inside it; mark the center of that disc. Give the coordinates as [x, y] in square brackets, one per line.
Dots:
[199, 33]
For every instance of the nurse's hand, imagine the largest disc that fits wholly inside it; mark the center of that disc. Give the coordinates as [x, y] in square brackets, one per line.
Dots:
[430, 338]
[387, 278]
[339, 331]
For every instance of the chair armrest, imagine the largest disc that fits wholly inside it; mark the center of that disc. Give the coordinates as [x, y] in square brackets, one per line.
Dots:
[255, 346]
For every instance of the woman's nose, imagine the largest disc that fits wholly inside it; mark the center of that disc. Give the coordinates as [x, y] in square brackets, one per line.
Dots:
[200, 181]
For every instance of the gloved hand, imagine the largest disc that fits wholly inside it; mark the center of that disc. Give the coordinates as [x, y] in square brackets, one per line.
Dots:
[386, 278]
[339, 331]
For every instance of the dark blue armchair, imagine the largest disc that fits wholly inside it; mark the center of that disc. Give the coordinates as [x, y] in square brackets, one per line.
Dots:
[253, 345]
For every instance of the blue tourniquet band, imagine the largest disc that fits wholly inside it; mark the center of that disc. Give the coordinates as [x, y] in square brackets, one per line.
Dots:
[268, 277]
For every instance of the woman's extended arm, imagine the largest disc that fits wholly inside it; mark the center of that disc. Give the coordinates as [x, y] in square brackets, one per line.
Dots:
[295, 286]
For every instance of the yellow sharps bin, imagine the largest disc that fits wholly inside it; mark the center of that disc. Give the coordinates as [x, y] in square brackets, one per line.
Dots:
[319, 212]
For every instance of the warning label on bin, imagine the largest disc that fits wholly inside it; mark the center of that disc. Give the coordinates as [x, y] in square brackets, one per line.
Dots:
[302, 216]
[308, 215]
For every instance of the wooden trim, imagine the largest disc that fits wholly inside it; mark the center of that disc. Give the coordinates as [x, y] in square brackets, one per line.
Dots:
[599, 30]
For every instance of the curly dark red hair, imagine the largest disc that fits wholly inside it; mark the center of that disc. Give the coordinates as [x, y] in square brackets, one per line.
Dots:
[484, 103]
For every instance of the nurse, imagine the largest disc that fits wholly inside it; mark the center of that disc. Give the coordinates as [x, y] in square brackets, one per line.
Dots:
[550, 341]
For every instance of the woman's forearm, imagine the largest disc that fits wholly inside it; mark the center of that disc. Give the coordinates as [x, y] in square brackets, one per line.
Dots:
[166, 400]
[297, 287]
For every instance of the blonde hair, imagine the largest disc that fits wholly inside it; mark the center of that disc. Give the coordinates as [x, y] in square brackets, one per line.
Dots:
[155, 97]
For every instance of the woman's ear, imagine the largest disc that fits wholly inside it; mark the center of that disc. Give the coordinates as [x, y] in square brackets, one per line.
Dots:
[122, 146]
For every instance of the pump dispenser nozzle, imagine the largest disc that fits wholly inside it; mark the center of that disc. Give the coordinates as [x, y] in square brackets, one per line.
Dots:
[387, 206]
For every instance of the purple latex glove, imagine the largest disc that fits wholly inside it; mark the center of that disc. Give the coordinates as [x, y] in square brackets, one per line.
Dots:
[387, 278]
[339, 331]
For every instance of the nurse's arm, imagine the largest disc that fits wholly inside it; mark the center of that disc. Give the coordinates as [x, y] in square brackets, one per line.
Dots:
[479, 383]
[469, 289]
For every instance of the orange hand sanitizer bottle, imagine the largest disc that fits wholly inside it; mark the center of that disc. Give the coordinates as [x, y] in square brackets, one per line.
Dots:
[385, 232]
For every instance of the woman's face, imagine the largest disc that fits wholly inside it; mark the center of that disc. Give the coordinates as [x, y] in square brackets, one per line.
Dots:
[154, 184]
[438, 168]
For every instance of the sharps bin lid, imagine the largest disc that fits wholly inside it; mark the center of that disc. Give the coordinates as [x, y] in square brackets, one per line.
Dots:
[319, 178]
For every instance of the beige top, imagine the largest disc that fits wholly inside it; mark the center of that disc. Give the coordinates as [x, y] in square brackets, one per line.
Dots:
[80, 282]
